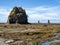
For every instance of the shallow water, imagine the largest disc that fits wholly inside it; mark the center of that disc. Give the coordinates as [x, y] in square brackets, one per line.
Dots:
[55, 40]
[48, 43]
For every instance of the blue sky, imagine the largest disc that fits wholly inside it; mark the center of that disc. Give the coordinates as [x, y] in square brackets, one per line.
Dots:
[41, 10]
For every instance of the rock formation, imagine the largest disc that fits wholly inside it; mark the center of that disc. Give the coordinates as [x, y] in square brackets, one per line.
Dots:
[17, 15]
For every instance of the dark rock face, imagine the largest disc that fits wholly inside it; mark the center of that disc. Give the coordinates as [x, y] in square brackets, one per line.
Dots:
[17, 15]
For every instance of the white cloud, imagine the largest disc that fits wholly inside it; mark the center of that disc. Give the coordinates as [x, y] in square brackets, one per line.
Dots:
[36, 13]
[4, 11]
[4, 14]
[43, 13]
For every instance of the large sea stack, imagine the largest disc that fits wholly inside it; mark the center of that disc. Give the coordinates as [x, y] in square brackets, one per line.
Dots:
[17, 15]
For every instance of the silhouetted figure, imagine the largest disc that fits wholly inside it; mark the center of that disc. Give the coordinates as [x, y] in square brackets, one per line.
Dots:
[38, 21]
[48, 21]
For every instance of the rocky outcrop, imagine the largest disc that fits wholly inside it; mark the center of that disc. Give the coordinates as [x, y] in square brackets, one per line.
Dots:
[17, 15]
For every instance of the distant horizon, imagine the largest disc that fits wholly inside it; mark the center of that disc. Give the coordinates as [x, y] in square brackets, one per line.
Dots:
[41, 10]
[40, 21]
